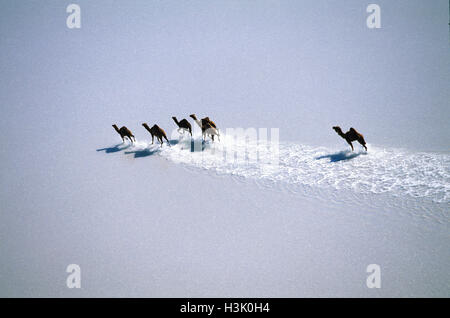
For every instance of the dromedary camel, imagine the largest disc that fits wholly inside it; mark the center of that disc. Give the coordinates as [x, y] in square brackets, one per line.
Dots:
[208, 127]
[158, 132]
[350, 136]
[183, 125]
[124, 132]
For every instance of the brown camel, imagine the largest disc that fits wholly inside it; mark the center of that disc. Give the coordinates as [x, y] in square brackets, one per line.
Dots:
[158, 132]
[183, 125]
[208, 127]
[350, 136]
[124, 132]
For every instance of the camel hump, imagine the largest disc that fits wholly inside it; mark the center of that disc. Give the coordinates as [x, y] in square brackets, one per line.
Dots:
[210, 122]
[352, 129]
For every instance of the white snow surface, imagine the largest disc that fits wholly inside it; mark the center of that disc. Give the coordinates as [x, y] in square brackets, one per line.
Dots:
[149, 221]
[381, 170]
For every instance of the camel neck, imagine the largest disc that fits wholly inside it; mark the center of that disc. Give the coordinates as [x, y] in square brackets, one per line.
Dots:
[340, 133]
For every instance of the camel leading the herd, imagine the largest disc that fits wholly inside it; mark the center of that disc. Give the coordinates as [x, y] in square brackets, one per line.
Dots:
[209, 128]
[351, 135]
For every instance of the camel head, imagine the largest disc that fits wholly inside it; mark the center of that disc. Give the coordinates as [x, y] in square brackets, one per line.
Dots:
[115, 127]
[193, 116]
[145, 125]
[337, 129]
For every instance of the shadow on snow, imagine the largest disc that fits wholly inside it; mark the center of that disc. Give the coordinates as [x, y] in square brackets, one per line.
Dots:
[341, 155]
[116, 148]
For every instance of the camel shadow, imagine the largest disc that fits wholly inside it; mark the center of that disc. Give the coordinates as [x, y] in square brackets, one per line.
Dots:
[200, 146]
[191, 144]
[141, 153]
[150, 150]
[340, 156]
[115, 148]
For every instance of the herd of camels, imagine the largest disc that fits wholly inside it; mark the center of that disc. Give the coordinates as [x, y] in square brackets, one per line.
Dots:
[210, 129]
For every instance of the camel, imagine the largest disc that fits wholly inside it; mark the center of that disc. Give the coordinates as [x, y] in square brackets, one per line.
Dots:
[350, 136]
[158, 132]
[208, 127]
[183, 125]
[124, 132]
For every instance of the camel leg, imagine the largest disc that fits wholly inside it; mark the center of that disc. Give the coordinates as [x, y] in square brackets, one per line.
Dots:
[364, 145]
[350, 145]
[362, 142]
[153, 139]
[168, 142]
